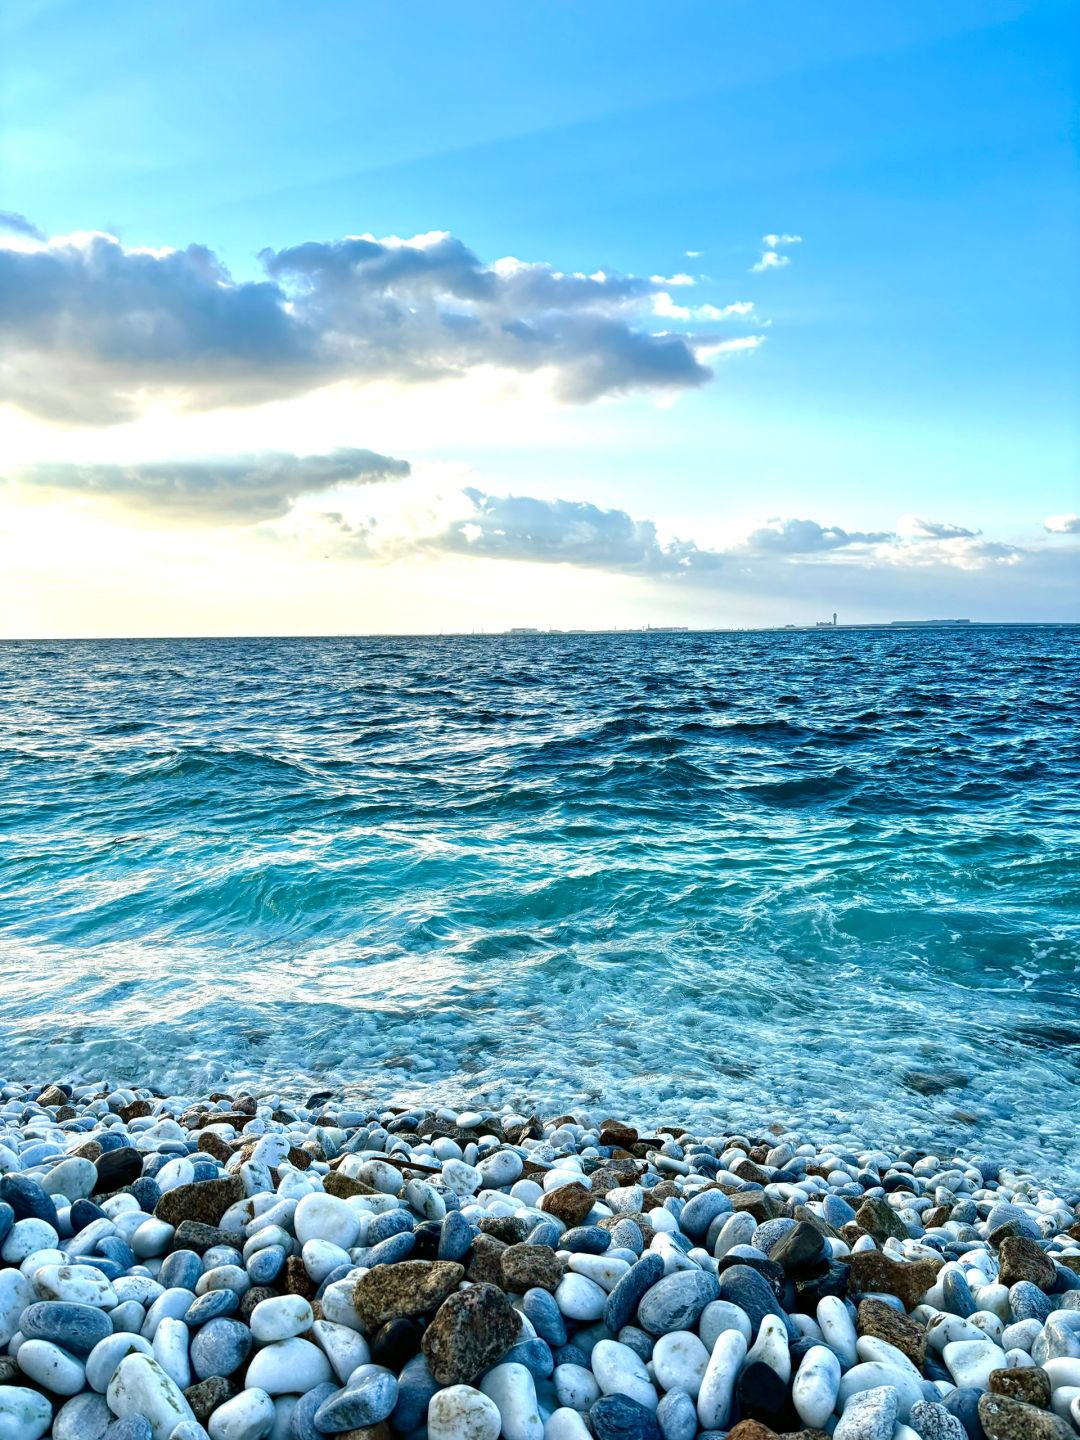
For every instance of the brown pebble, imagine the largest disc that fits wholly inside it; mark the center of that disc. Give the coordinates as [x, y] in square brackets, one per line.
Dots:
[1022, 1259]
[1005, 1419]
[212, 1144]
[297, 1280]
[569, 1203]
[1029, 1383]
[485, 1266]
[873, 1273]
[884, 1322]
[342, 1186]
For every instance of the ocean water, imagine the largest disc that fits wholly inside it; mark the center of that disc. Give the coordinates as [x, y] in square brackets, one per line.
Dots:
[827, 879]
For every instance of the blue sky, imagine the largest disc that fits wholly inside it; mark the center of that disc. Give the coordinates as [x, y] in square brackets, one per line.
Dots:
[914, 358]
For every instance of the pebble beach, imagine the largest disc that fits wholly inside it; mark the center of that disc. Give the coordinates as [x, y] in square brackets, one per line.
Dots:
[254, 1267]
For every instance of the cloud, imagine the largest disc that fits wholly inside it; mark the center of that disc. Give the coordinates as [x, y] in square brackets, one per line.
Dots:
[1062, 524]
[936, 529]
[574, 532]
[807, 537]
[537, 531]
[237, 490]
[771, 259]
[961, 552]
[669, 309]
[94, 331]
[12, 223]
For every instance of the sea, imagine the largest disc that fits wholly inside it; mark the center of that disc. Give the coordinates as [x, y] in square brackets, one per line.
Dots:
[826, 880]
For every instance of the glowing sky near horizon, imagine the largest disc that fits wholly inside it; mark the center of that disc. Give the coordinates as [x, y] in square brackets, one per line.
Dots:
[322, 322]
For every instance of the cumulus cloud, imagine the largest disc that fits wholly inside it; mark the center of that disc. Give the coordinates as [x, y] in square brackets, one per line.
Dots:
[12, 223]
[771, 258]
[575, 532]
[962, 552]
[807, 537]
[94, 331]
[1062, 524]
[237, 490]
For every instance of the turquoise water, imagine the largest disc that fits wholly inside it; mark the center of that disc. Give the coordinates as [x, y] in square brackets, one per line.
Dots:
[735, 877]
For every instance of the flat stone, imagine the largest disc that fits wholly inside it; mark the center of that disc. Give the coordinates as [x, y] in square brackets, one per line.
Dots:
[205, 1201]
[472, 1329]
[568, 1203]
[869, 1415]
[1029, 1383]
[527, 1267]
[873, 1273]
[404, 1291]
[485, 1263]
[878, 1218]
[1005, 1419]
[1022, 1259]
[205, 1397]
[884, 1322]
[931, 1421]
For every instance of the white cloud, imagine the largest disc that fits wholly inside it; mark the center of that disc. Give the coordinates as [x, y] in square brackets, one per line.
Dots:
[669, 309]
[1062, 524]
[742, 343]
[771, 259]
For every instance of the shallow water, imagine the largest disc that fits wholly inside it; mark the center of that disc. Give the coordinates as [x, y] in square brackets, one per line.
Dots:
[728, 878]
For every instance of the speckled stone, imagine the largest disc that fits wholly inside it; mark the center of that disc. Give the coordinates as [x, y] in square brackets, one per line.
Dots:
[404, 1291]
[472, 1329]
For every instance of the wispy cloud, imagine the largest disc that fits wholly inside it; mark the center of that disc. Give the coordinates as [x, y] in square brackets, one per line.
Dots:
[12, 223]
[235, 490]
[95, 331]
[771, 258]
[935, 529]
[1062, 524]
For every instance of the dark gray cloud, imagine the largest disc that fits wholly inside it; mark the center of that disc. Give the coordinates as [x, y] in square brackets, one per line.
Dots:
[12, 223]
[238, 490]
[91, 331]
[807, 537]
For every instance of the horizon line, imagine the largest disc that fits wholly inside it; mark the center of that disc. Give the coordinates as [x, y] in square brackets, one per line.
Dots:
[540, 633]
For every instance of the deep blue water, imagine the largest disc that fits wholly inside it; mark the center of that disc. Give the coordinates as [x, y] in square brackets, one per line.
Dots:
[738, 877]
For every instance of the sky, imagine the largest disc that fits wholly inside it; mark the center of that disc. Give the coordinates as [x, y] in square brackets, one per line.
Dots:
[350, 318]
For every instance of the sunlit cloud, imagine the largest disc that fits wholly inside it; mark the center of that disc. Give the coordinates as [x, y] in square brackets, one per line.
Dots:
[1062, 524]
[95, 332]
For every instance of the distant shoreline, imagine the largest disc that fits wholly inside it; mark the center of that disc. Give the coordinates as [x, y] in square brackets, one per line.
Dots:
[887, 627]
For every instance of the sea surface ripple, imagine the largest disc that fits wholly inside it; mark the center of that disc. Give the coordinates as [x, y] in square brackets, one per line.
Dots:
[811, 877]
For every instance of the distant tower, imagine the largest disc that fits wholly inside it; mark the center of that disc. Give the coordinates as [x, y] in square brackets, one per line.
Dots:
[834, 619]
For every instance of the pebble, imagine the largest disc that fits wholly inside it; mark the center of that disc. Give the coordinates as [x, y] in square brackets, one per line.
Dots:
[462, 1413]
[528, 1280]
